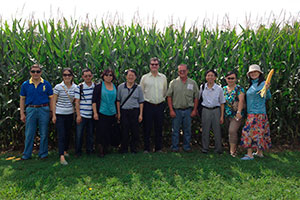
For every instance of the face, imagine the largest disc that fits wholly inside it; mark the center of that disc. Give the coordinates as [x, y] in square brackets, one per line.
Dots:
[130, 77]
[67, 76]
[182, 71]
[210, 77]
[154, 66]
[35, 73]
[108, 77]
[254, 75]
[87, 77]
[231, 79]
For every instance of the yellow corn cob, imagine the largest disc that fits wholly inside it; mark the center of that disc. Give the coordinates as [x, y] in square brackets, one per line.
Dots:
[263, 92]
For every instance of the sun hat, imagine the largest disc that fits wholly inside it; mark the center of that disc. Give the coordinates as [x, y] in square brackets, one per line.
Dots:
[253, 68]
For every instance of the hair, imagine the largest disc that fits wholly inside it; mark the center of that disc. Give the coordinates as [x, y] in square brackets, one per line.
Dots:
[130, 70]
[107, 71]
[155, 59]
[213, 71]
[69, 70]
[230, 73]
[261, 78]
[36, 66]
[86, 70]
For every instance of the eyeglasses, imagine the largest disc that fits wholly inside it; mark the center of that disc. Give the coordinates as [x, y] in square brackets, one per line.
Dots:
[35, 71]
[108, 75]
[85, 76]
[69, 75]
[154, 64]
[182, 71]
[230, 78]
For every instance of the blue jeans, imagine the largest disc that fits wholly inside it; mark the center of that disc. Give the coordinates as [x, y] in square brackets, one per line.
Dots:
[183, 118]
[86, 123]
[34, 117]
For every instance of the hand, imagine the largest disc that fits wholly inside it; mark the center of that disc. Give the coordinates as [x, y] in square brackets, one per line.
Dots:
[54, 119]
[140, 118]
[96, 117]
[172, 114]
[221, 120]
[238, 116]
[268, 85]
[119, 117]
[193, 113]
[78, 119]
[23, 117]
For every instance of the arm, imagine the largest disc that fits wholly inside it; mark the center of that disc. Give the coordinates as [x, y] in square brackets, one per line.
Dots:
[22, 109]
[53, 102]
[96, 117]
[194, 112]
[118, 111]
[240, 106]
[77, 107]
[141, 112]
[170, 104]
[222, 114]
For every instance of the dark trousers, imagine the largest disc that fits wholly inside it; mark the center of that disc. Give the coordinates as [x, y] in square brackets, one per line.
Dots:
[130, 124]
[104, 130]
[88, 125]
[153, 114]
[63, 126]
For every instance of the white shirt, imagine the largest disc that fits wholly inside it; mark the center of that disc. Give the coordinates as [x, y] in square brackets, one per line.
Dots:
[64, 106]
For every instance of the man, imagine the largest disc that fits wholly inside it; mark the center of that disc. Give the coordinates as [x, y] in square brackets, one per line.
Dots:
[154, 86]
[35, 97]
[182, 96]
[84, 120]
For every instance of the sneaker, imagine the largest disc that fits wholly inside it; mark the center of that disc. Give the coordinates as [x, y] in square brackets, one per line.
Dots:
[255, 154]
[63, 162]
[246, 157]
[145, 152]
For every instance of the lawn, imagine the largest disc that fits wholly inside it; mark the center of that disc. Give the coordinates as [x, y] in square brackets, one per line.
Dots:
[152, 176]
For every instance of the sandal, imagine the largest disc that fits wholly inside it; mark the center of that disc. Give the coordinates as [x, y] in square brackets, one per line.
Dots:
[258, 155]
[246, 157]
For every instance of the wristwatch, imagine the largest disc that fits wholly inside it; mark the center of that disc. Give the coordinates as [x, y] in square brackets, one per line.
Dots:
[238, 112]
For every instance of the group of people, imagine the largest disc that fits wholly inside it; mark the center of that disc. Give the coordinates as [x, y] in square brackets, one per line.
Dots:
[102, 105]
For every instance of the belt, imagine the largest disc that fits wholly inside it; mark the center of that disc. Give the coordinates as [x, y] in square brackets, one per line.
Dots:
[212, 108]
[183, 108]
[153, 104]
[38, 106]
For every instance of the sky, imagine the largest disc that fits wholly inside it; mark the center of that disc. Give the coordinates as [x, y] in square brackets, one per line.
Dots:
[227, 13]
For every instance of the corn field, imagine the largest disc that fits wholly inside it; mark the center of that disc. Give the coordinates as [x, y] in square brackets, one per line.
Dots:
[59, 44]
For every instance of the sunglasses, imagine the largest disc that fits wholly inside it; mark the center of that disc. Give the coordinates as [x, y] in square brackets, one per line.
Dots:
[230, 78]
[108, 75]
[154, 64]
[69, 75]
[35, 71]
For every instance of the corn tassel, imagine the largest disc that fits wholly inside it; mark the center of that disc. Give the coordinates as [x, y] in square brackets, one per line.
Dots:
[263, 91]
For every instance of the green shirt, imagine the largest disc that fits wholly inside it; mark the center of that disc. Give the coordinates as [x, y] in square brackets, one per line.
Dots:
[183, 94]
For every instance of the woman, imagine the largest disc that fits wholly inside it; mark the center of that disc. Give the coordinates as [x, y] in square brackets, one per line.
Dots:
[104, 109]
[256, 132]
[235, 100]
[63, 111]
[212, 111]
[130, 110]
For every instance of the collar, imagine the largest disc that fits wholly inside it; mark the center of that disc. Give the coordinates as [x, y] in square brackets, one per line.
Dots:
[31, 82]
[255, 81]
[213, 87]
[158, 74]
[125, 86]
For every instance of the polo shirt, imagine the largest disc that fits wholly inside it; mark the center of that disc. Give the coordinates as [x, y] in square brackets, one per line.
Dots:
[154, 87]
[212, 97]
[36, 94]
[134, 101]
[183, 94]
[86, 109]
[64, 106]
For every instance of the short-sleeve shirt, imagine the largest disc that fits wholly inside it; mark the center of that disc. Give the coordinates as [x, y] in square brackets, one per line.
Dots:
[212, 97]
[86, 109]
[230, 98]
[134, 101]
[183, 94]
[64, 106]
[36, 94]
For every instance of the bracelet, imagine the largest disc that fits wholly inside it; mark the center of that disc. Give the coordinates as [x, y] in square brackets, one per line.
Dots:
[238, 112]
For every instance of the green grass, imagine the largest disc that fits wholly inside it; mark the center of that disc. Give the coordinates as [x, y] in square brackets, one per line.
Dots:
[152, 176]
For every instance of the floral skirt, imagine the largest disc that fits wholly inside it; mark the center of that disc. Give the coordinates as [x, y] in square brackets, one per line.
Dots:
[256, 132]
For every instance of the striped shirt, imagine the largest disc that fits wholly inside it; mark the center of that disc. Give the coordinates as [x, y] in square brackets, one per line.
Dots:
[86, 109]
[63, 104]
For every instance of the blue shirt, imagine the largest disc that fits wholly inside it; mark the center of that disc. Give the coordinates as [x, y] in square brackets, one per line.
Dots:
[108, 100]
[255, 103]
[36, 94]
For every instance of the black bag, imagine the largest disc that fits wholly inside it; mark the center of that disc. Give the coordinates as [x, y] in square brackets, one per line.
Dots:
[200, 107]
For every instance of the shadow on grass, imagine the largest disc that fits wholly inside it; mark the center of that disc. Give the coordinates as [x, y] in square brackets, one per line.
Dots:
[148, 170]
